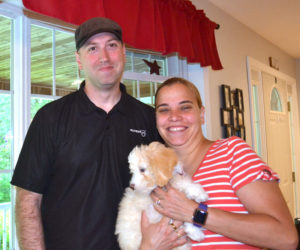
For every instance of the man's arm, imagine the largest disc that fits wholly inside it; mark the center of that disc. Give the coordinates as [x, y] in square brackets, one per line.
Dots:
[28, 220]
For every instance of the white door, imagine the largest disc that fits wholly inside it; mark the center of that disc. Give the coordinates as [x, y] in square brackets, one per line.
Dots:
[278, 140]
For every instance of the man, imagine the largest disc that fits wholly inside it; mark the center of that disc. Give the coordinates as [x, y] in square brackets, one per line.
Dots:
[73, 168]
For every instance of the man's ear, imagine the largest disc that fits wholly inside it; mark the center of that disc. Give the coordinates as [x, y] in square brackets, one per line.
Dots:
[202, 115]
[78, 60]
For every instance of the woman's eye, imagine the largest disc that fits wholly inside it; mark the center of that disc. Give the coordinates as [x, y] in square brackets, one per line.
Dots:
[163, 110]
[186, 107]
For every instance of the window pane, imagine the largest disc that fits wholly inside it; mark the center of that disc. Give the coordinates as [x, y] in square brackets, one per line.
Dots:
[5, 51]
[161, 61]
[275, 101]
[41, 60]
[131, 87]
[5, 132]
[139, 65]
[129, 63]
[5, 212]
[146, 92]
[135, 63]
[66, 66]
[256, 121]
[36, 104]
[5, 187]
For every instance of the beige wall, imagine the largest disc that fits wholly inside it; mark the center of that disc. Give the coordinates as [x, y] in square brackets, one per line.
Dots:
[298, 82]
[235, 41]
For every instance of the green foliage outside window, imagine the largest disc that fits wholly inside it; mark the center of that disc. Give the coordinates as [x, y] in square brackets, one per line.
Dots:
[5, 132]
[36, 104]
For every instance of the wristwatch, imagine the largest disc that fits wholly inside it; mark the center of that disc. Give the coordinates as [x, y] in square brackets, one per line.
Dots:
[200, 215]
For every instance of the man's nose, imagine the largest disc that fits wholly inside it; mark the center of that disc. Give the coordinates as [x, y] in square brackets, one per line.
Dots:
[103, 55]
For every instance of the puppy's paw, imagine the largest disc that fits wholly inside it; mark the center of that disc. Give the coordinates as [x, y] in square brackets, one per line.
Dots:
[193, 232]
[197, 193]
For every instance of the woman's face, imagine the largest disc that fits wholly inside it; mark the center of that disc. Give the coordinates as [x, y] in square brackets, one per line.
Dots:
[178, 116]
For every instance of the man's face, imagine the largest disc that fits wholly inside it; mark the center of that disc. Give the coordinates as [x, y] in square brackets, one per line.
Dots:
[102, 58]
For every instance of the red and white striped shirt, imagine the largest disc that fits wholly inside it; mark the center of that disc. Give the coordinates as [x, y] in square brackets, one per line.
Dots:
[228, 165]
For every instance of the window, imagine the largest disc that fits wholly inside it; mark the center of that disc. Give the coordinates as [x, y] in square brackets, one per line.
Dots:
[139, 81]
[6, 25]
[275, 101]
[54, 71]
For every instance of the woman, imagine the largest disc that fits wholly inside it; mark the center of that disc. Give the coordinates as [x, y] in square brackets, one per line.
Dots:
[245, 209]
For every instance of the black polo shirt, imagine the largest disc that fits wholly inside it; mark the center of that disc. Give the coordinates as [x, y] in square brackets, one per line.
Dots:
[75, 155]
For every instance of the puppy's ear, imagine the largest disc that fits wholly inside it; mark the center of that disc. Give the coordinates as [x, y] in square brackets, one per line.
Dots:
[162, 161]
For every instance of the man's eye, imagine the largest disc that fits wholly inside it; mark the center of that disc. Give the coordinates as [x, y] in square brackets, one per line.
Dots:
[91, 49]
[113, 45]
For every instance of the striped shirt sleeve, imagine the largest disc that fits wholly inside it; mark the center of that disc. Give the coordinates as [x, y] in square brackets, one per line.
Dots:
[246, 166]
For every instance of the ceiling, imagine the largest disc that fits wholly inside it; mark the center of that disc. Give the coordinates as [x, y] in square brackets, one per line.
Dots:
[278, 21]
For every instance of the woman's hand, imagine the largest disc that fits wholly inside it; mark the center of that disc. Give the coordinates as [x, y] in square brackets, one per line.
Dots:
[162, 235]
[173, 204]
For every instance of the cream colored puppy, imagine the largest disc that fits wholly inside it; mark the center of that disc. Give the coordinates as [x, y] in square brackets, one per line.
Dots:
[151, 166]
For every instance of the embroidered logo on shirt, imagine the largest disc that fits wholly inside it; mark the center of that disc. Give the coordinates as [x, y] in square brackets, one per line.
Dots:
[142, 132]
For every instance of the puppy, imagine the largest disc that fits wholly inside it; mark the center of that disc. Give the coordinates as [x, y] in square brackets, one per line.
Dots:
[151, 166]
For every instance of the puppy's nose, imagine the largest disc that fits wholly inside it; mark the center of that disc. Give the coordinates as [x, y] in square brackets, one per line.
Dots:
[132, 186]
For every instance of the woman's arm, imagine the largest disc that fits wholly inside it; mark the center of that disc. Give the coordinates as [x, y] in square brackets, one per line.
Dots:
[28, 220]
[268, 224]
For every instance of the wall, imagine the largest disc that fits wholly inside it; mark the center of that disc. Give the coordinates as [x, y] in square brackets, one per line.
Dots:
[298, 82]
[236, 41]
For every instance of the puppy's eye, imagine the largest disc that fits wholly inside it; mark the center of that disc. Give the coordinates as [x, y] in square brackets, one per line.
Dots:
[142, 170]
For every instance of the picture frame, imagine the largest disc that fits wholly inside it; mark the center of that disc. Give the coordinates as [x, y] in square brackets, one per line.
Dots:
[228, 131]
[242, 133]
[239, 99]
[234, 121]
[240, 118]
[233, 98]
[226, 96]
[225, 117]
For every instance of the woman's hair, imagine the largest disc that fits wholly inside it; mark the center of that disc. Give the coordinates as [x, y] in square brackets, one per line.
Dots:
[184, 82]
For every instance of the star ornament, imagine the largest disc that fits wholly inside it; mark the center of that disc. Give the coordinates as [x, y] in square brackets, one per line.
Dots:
[154, 68]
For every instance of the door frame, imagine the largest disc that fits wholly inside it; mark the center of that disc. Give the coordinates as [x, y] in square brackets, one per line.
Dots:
[253, 64]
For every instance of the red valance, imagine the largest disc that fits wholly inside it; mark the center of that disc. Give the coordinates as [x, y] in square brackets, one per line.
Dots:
[164, 26]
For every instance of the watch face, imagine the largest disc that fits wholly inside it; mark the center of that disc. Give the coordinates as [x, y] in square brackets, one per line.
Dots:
[199, 216]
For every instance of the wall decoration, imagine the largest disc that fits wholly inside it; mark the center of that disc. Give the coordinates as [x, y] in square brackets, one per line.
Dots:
[240, 118]
[228, 131]
[232, 112]
[225, 117]
[226, 96]
[239, 99]
[154, 67]
[234, 116]
[241, 133]
[273, 62]
[233, 98]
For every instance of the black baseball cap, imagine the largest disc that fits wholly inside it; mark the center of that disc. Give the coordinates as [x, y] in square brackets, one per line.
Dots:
[94, 26]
